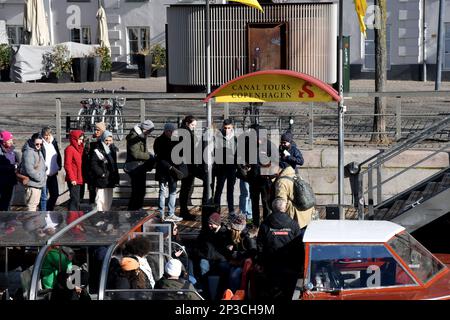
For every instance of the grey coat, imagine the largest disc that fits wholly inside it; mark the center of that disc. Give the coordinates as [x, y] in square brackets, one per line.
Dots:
[33, 166]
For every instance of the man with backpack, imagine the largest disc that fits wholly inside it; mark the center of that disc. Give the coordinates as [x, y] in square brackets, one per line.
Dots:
[298, 195]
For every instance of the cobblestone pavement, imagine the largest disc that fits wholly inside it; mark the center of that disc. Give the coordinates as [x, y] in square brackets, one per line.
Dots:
[26, 115]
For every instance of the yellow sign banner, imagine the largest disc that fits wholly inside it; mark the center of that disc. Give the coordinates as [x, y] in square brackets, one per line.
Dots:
[275, 87]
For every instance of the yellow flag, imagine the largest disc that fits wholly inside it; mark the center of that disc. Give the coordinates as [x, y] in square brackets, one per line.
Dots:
[251, 3]
[361, 8]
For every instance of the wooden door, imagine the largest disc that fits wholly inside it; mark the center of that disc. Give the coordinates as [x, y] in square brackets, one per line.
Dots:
[267, 46]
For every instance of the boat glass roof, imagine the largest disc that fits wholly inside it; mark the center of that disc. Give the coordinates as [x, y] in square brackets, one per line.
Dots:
[22, 228]
[102, 228]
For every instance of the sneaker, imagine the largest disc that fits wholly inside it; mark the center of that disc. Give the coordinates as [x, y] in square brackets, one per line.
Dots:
[173, 218]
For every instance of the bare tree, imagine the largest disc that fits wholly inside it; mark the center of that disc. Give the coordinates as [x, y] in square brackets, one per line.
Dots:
[379, 122]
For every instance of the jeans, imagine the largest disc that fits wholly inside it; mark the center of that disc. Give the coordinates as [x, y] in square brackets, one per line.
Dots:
[53, 191]
[171, 189]
[245, 203]
[221, 174]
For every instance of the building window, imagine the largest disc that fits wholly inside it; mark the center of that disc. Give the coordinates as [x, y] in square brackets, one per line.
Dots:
[15, 35]
[447, 47]
[82, 35]
[369, 49]
[138, 39]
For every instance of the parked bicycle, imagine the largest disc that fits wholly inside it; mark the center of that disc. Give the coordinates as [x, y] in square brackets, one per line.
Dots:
[108, 110]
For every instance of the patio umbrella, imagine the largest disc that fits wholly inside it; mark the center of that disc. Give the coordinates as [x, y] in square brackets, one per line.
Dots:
[35, 23]
[102, 30]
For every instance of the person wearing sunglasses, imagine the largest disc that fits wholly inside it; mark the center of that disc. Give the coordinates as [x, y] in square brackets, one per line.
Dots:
[33, 166]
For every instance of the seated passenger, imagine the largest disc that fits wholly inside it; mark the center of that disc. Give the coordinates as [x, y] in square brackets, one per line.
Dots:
[171, 280]
[131, 276]
[57, 260]
[139, 248]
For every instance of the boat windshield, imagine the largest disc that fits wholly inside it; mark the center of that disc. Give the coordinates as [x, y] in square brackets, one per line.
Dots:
[418, 259]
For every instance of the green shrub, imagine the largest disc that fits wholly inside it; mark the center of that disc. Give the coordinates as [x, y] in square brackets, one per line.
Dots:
[5, 56]
[58, 61]
[158, 53]
[106, 64]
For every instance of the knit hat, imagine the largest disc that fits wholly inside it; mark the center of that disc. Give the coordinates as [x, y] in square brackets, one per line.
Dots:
[287, 137]
[215, 219]
[147, 125]
[169, 127]
[173, 267]
[106, 134]
[6, 135]
[100, 126]
[238, 221]
[128, 264]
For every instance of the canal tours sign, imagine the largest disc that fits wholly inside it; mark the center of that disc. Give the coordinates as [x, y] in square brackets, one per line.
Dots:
[275, 86]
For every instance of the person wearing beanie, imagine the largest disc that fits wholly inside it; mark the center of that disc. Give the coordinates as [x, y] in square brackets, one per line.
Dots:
[171, 280]
[166, 172]
[130, 276]
[53, 162]
[290, 155]
[105, 174]
[214, 220]
[73, 161]
[91, 143]
[9, 161]
[138, 162]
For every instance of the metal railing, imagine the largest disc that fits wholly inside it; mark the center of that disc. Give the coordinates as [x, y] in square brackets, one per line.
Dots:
[311, 123]
[376, 162]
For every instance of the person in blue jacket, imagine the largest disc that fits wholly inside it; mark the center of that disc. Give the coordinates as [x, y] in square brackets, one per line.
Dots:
[290, 155]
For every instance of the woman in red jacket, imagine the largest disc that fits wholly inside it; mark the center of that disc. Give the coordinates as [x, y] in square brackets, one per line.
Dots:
[72, 164]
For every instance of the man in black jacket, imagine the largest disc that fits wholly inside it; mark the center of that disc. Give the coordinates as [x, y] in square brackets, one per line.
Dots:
[280, 250]
[166, 173]
[290, 155]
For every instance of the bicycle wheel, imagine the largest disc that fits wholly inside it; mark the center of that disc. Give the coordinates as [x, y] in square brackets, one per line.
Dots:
[114, 122]
[82, 119]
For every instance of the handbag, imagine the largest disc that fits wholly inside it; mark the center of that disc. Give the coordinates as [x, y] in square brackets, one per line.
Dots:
[22, 179]
[129, 167]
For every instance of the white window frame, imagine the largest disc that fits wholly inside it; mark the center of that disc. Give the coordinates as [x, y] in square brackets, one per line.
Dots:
[140, 41]
[81, 29]
[365, 68]
[446, 57]
[20, 36]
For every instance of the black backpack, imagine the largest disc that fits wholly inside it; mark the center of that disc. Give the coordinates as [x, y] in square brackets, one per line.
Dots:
[304, 197]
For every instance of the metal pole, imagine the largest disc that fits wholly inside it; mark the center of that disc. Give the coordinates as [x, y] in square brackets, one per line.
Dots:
[424, 38]
[207, 183]
[437, 84]
[58, 120]
[341, 116]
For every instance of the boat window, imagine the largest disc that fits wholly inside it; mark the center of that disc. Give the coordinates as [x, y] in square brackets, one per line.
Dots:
[418, 259]
[355, 266]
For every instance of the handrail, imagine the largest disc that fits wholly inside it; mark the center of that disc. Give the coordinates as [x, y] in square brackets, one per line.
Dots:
[375, 162]
[402, 146]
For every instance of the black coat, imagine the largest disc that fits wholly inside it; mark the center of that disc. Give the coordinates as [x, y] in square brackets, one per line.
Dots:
[279, 242]
[163, 147]
[294, 160]
[8, 170]
[213, 245]
[103, 167]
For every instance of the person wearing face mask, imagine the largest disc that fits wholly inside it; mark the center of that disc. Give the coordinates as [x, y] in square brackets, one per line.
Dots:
[73, 165]
[9, 160]
[53, 162]
[138, 162]
[224, 168]
[105, 175]
[33, 166]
